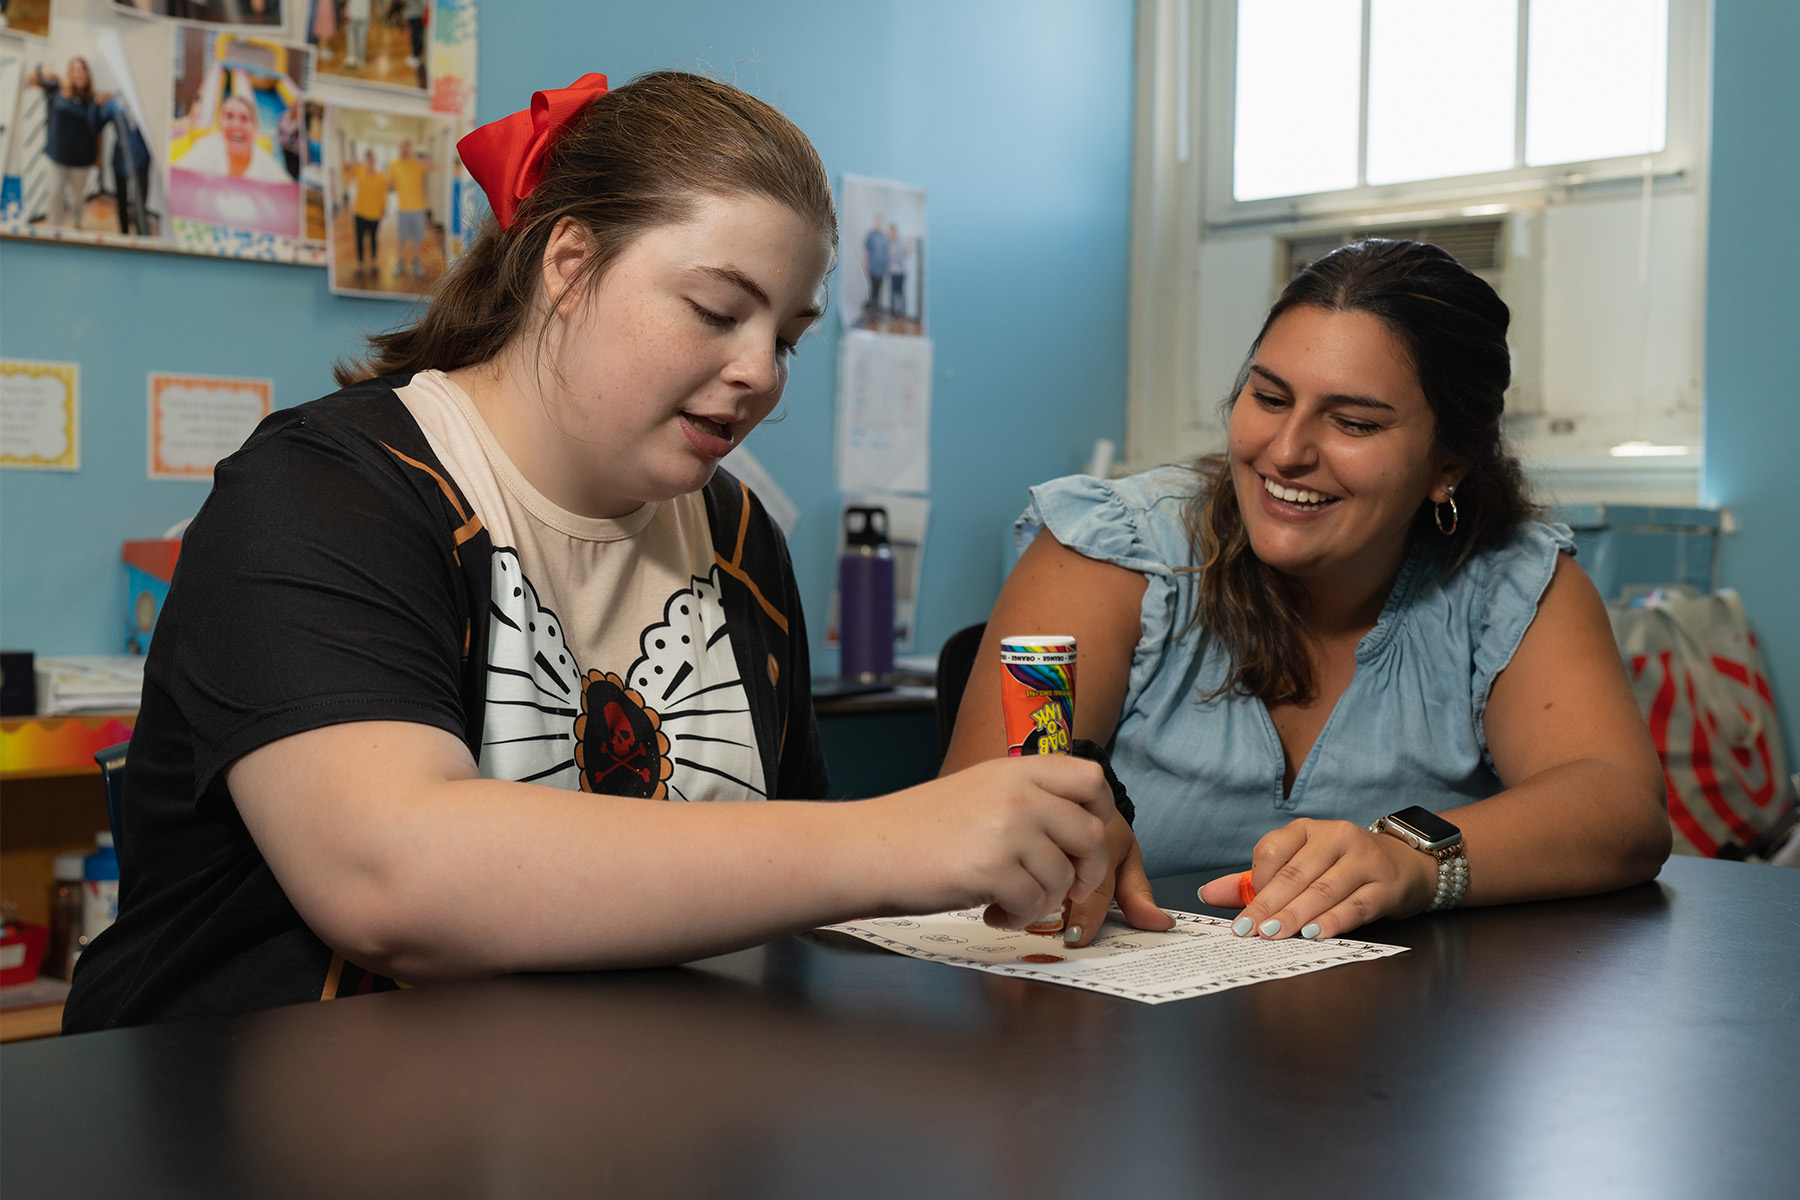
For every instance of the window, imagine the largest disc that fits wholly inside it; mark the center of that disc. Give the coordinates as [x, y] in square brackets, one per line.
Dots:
[1338, 104]
[1557, 147]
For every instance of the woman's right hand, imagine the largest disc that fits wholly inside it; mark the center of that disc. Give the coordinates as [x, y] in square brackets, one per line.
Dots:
[1125, 884]
[1018, 834]
[1055, 589]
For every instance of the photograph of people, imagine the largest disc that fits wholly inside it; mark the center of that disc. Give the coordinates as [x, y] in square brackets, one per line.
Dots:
[12, 79]
[312, 170]
[369, 191]
[536, 452]
[72, 121]
[26, 16]
[290, 130]
[356, 32]
[406, 175]
[413, 14]
[875, 267]
[900, 256]
[1353, 610]
[130, 157]
[233, 148]
[231, 94]
[379, 42]
[881, 277]
[388, 200]
[211, 12]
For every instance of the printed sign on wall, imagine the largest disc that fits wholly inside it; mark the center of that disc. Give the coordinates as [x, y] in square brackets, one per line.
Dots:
[40, 415]
[195, 420]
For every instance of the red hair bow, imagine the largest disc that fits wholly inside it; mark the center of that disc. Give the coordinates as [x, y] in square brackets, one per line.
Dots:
[506, 157]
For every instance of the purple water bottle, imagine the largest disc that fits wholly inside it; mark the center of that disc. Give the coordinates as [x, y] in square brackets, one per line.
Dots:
[866, 597]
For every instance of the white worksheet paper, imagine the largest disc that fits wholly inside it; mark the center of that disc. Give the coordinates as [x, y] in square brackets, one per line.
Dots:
[1199, 956]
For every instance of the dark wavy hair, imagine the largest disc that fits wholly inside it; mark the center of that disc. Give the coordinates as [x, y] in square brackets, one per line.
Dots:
[637, 159]
[1452, 328]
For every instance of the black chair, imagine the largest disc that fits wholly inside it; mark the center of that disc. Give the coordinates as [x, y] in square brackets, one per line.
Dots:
[112, 773]
[955, 661]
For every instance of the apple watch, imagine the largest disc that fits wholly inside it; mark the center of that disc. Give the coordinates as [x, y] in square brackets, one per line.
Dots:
[1424, 830]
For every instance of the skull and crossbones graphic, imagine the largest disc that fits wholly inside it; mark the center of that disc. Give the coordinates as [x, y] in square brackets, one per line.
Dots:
[625, 753]
[623, 747]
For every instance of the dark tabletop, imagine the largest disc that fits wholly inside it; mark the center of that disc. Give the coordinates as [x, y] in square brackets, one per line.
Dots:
[1640, 1044]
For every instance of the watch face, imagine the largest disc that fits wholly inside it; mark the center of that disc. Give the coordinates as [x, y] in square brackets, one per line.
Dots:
[1431, 829]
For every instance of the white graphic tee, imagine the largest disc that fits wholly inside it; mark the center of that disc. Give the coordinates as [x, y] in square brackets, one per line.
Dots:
[610, 667]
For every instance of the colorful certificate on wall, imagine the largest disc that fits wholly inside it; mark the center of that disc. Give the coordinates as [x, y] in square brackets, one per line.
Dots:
[40, 415]
[195, 420]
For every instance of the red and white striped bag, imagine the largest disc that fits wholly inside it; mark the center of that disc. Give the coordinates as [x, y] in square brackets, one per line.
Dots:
[1698, 677]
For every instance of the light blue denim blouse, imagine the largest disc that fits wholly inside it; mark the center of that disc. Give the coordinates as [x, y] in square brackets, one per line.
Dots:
[1206, 775]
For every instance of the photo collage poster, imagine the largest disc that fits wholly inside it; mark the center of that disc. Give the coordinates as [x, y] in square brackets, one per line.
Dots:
[202, 126]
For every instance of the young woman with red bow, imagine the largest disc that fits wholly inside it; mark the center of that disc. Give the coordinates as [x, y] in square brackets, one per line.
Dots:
[450, 651]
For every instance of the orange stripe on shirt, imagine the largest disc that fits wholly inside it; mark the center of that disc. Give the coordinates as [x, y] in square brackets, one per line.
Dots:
[471, 521]
[738, 573]
[329, 992]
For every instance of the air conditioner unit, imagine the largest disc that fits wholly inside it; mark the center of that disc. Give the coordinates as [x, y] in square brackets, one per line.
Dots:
[1504, 248]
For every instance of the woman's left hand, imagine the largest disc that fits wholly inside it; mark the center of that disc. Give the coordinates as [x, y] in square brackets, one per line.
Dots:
[1320, 879]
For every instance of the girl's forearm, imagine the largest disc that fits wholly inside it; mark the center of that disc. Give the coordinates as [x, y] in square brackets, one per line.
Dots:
[478, 877]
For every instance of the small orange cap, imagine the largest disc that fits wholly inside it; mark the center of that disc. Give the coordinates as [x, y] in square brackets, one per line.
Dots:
[1246, 892]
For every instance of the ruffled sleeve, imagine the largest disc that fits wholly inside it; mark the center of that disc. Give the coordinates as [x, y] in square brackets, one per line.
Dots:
[1508, 584]
[1135, 523]
[1119, 521]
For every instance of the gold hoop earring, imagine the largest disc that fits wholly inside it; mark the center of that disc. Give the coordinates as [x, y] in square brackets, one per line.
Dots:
[1437, 512]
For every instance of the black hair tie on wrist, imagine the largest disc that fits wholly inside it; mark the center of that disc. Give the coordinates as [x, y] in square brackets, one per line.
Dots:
[1095, 752]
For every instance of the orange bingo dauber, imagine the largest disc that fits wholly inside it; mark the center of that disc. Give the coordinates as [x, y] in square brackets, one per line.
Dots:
[1037, 708]
[1246, 890]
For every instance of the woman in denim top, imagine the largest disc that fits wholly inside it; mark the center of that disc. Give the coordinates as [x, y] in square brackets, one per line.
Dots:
[1349, 612]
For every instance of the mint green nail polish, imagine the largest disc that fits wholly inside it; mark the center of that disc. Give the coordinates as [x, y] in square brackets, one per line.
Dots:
[1241, 926]
[1310, 931]
[1271, 927]
[1071, 935]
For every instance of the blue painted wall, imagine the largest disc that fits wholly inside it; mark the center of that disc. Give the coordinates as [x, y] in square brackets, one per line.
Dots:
[1752, 313]
[1015, 114]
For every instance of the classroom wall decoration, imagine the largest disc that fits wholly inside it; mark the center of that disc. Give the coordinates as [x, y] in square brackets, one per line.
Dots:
[384, 171]
[196, 420]
[234, 134]
[266, 13]
[29, 17]
[200, 128]
[881, 272]
[40, 415]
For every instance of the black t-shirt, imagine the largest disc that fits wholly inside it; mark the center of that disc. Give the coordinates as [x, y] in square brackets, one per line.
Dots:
[337, 573]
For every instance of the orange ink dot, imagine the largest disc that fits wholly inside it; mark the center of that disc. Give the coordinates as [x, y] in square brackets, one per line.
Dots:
[1040, 958]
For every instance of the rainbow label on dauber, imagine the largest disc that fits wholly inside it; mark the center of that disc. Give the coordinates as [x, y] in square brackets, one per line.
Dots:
[1037, 691]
